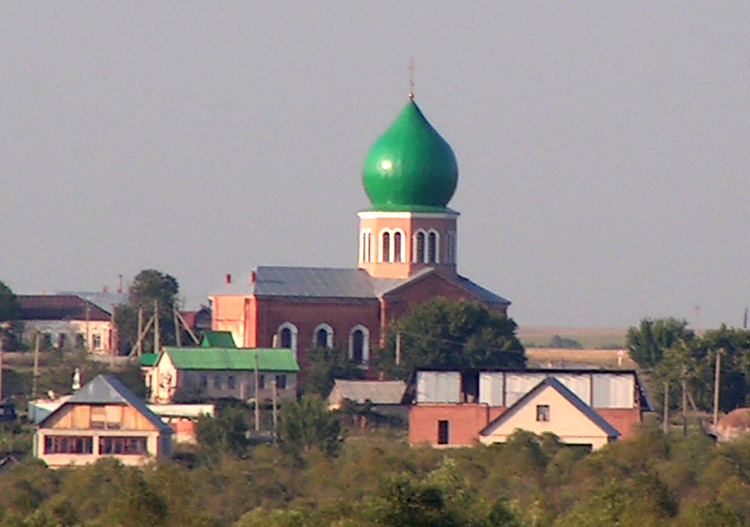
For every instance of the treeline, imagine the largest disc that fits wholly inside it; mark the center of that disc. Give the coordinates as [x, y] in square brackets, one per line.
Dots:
[378, 481]
[671, 353]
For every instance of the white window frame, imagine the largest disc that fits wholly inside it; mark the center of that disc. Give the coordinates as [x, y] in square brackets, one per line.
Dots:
[329, 335]
[365, 343]
[430, 249]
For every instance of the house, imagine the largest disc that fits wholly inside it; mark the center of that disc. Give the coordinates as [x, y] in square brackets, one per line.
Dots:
[204, 374]
[548, 407]
[452, 408]
[381, 394]
[102, 418]
[407, 254]
[66, 322]
[182, 418]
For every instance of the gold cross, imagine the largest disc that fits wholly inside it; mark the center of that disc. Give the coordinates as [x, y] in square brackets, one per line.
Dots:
[411, 69]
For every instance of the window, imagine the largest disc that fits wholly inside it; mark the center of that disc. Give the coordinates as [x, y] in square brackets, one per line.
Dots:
[385, 246]
[46, 340]
[365, 249]
[433, 249]
[204, 381]
[281, 382]
[323, 336]
[97, 341]
[398, 242]
[450, 247]
[217, 382]
[80, 340]
[419, 242]
[123, 445]
[261, 382]
[287, 337]
[542, 412]
[61, 340]
[359, 338]
[68, 445]
[443, 432]
[230, 382]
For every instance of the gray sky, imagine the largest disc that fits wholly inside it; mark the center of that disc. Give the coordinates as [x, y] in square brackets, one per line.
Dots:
[602, 147]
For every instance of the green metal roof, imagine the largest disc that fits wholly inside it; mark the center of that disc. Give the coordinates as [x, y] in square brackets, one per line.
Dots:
[410, 166]
[269, 359]
[148, 359]
[218, 339]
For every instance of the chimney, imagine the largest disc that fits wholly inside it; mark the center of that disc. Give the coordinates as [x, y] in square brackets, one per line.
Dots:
[252, 277]
[228, 279]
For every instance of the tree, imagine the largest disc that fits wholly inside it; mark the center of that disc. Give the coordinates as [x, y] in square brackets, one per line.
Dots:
[324, 366]
[10, 312]
[150, 287]
[647, 342]
[226, 431]
[307, 424]
[450, 334]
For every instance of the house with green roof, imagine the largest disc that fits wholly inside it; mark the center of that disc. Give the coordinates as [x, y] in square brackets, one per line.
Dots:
[209, 373]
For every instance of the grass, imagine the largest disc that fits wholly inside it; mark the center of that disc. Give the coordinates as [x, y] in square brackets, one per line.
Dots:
[588, 338]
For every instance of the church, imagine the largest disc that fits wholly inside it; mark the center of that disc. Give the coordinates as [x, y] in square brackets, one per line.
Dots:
[406, 252]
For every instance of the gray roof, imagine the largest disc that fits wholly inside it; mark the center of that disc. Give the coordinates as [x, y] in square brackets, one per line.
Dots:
[572, 398]
[377, 392]
[321, 282]
[107, 389]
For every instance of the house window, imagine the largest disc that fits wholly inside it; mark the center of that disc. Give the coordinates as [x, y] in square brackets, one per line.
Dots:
[204, 381]
[68, 445]
[46, 340]
[230, 382]
[359, 345]
[261, 382]
[97, 341]
[61, 340]
[542, 412]
[323, 336]
[123, 445]
[217, 382]
[281, 382]
[443, 432]
[398, 247]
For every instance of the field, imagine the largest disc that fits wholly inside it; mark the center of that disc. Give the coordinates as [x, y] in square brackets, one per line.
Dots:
[588, 338]
[601, 347]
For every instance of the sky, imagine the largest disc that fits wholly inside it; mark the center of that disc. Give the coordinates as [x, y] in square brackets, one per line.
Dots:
[602, 146]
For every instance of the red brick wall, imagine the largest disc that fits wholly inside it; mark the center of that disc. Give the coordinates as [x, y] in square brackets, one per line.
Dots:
[464, 423]
[342, 315]
[625, 420]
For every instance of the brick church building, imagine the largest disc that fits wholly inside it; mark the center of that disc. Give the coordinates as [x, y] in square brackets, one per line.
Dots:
[407, 255]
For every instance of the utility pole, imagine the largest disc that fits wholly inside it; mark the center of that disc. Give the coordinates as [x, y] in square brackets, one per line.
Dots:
[666, 408]
[177, 329]
[717, 383]
[684, 402]
[36, 368]
[275, 416]
[139, 344]
[1, 367]
[157, 335]
[398, 348]
[257, 396]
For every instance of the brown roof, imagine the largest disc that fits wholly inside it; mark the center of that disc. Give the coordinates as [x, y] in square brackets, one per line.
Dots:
[736, 419]
[60, 307]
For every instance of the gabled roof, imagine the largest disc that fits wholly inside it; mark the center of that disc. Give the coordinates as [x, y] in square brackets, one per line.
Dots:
[315, 282]
[218, 339]
[377, 392]
[148, 359]
[60, 307]
[107, 389]
[572, 398]
[269, 359]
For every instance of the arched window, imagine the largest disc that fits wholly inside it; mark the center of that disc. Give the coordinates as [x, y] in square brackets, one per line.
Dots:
[419, 242]
[385, 246]
[433, 247]
[286, 337]
[365, 246]
[398, 242]
[323, 336]
[359, 345]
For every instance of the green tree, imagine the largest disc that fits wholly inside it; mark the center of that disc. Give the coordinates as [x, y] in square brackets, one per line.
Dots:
[647, 342]
[10, 312]
[307, 424]
[150, 288]
[451, 334]
[226, 431]
[324, 366]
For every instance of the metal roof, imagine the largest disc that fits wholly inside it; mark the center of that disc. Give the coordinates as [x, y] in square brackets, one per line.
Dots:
[377, 392]
[572, 398]
[218, 339]
[107, 389]
[148, 359]
[269, 359]
[322, 282]
[60, 307]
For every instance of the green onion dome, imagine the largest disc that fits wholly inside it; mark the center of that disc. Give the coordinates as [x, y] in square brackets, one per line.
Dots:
[410, 167]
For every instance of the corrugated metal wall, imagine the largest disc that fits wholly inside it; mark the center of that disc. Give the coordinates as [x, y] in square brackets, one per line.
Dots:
[438, 387]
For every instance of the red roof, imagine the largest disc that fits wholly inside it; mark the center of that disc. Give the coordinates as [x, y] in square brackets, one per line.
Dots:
[60, 307]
